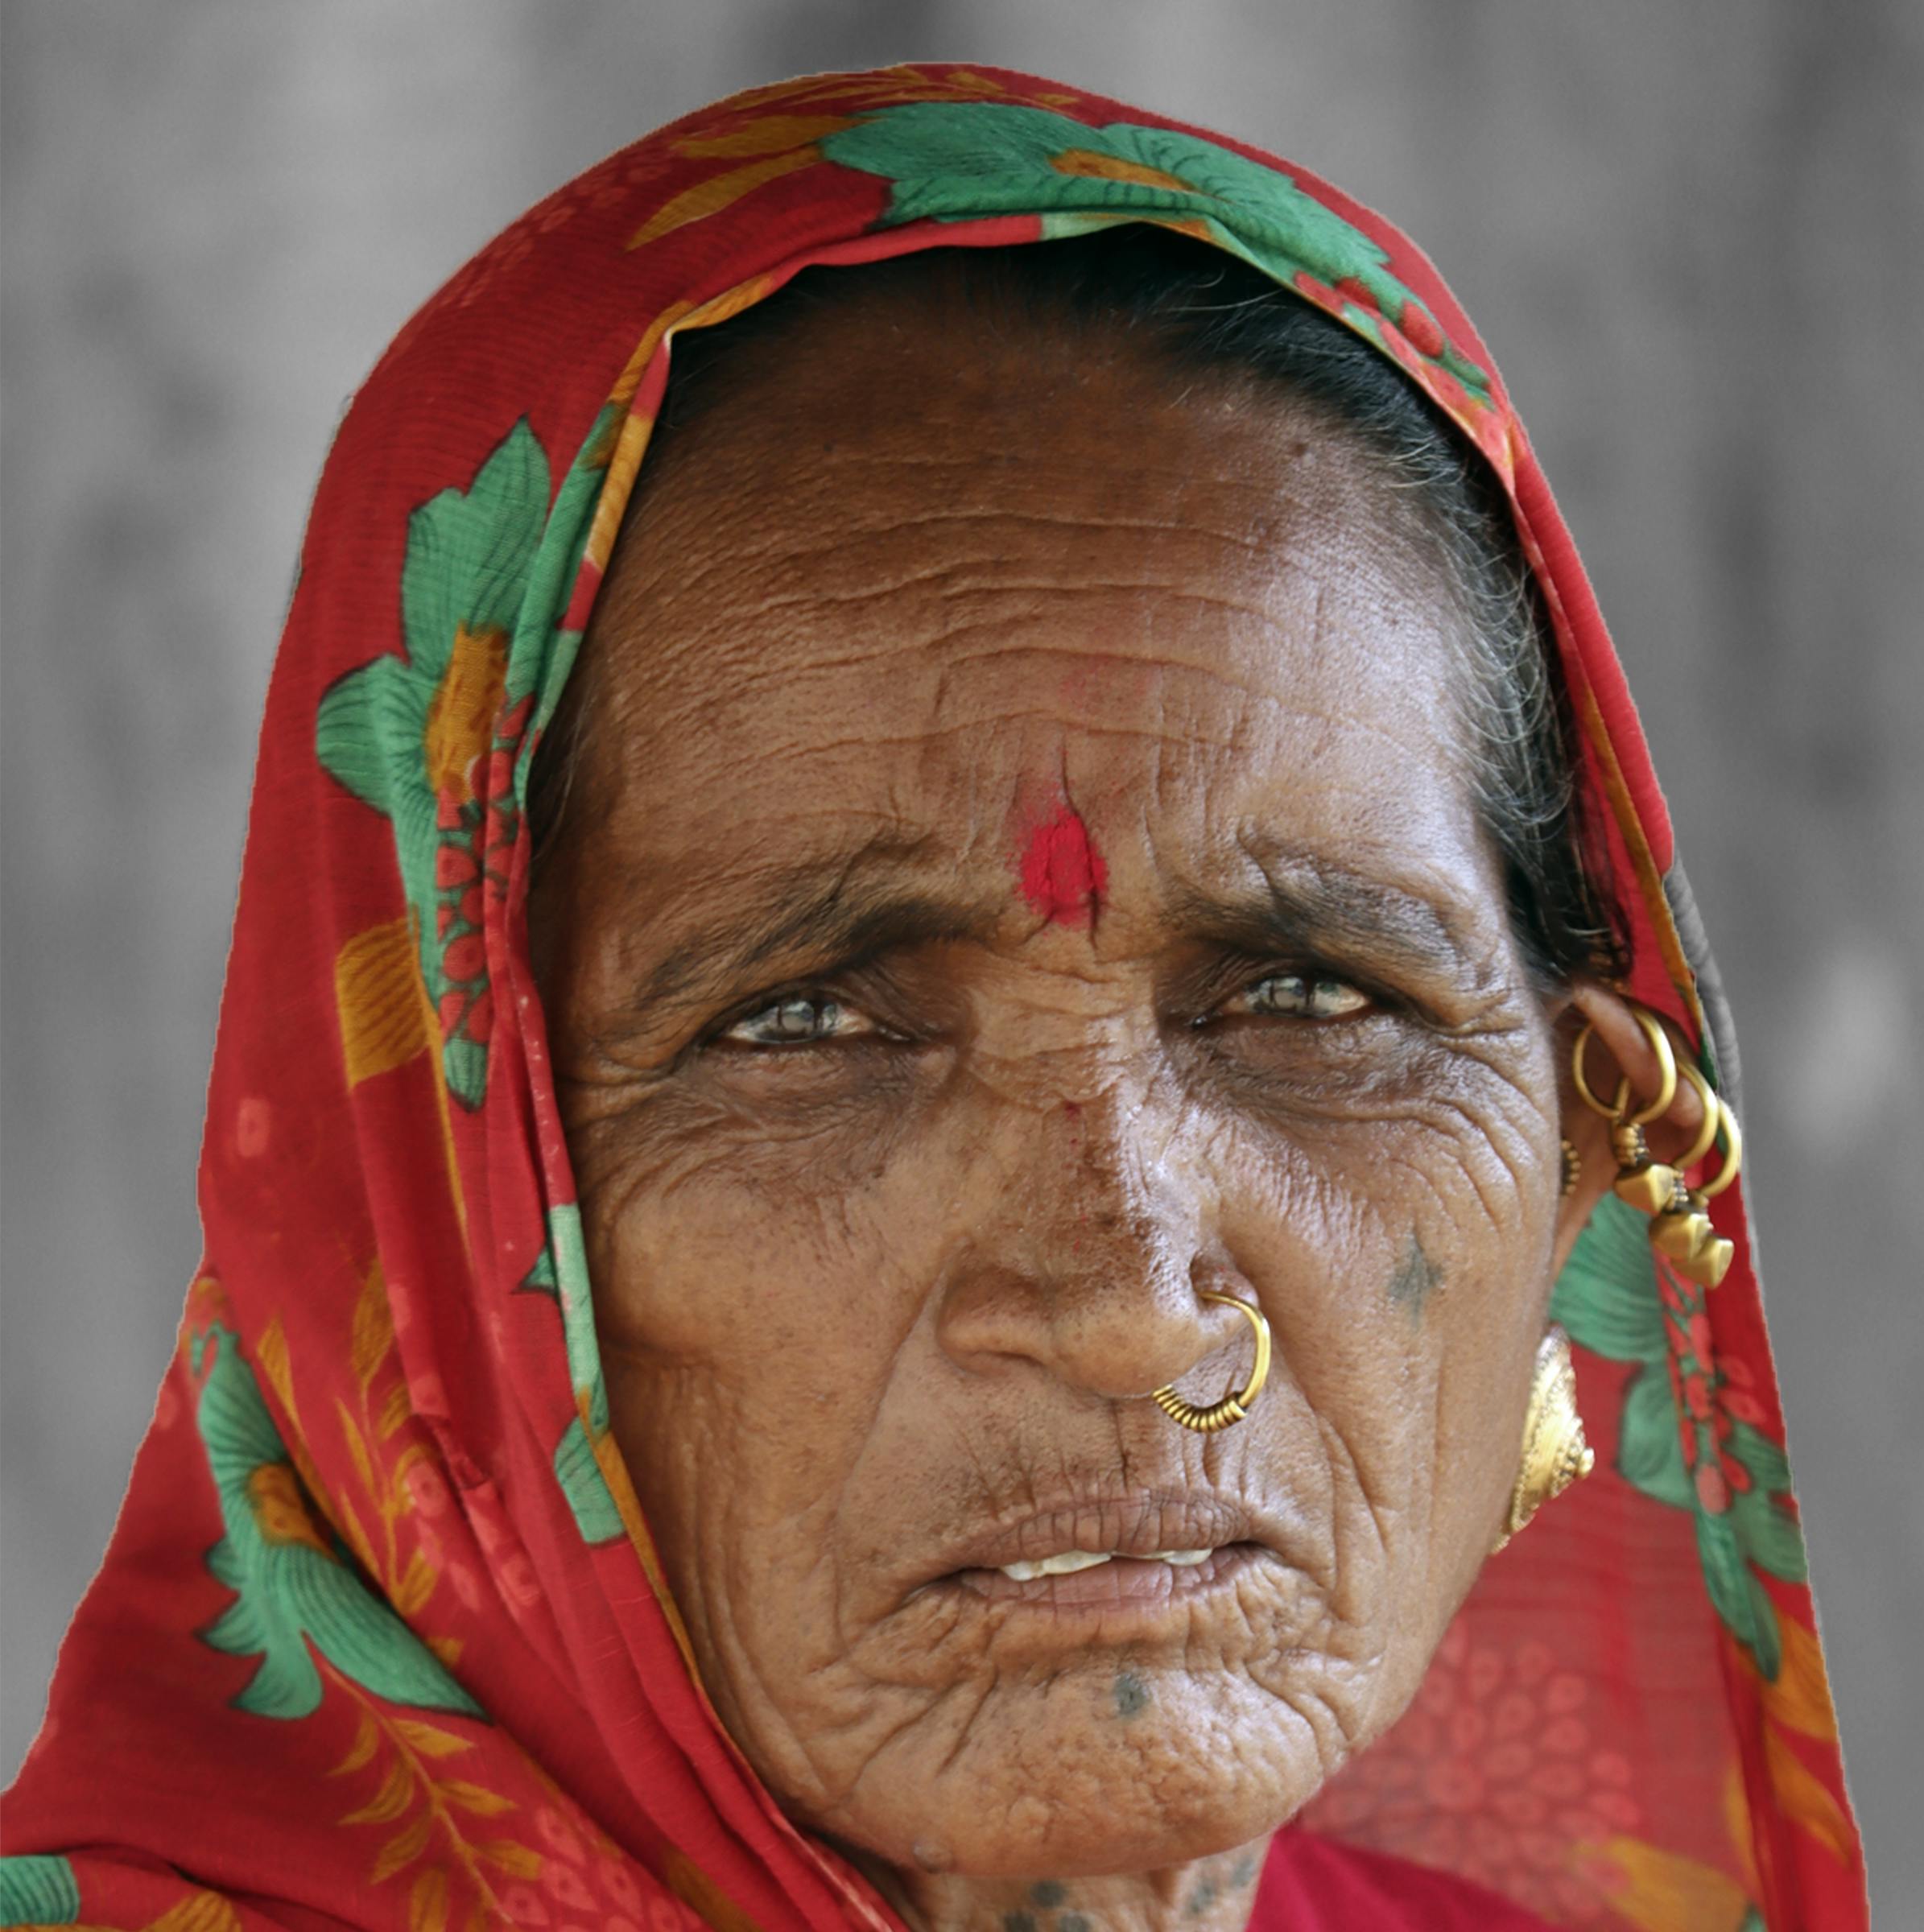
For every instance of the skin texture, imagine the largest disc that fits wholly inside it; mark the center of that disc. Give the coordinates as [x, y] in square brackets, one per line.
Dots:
[1026, 750]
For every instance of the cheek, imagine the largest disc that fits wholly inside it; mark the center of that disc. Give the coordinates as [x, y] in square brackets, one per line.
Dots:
[1402, 1253]
[749, 1305]
[720, 1240]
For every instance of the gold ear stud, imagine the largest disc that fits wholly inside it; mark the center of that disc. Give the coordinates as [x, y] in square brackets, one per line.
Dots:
[1556, 1454]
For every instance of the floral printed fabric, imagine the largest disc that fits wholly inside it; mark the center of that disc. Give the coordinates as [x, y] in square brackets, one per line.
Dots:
[381, 1638]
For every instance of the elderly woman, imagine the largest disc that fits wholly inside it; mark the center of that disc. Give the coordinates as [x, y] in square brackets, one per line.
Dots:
[902, 1100]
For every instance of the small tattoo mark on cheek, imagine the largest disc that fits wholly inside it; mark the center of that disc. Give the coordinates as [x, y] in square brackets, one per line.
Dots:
[1416, 1275]
[1132, 1695]
[1061, 873]
[1047, 1892]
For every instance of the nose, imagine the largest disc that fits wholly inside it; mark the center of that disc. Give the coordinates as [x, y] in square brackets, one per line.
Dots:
[1090, 1265]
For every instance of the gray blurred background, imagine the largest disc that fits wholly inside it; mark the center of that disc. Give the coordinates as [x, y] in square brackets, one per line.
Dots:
[1692, 231]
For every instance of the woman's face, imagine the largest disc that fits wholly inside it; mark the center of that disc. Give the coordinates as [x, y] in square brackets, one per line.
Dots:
[1021, 874]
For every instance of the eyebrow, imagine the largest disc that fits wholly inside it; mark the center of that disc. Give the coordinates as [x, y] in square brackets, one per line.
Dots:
[828, 916]
[835, 920]
[1328, 912]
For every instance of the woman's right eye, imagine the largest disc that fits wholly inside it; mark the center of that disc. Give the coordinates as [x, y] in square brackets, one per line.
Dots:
[797, 1019]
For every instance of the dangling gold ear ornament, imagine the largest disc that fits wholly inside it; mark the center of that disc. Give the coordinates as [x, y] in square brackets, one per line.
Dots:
[1680, 1228]
[1573, 1168]
[1555, 1452]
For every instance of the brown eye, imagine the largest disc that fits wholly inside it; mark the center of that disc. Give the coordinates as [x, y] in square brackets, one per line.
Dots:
[797, 1019]
[1298, 996]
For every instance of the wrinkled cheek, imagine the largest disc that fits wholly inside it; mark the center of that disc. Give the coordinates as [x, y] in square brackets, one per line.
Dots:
[1405, 1314]
[739, 1486]
[701, 1263]
[1341, 1681]
[744, 1366]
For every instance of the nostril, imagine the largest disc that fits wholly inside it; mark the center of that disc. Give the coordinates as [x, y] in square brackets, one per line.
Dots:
[1116, 1326]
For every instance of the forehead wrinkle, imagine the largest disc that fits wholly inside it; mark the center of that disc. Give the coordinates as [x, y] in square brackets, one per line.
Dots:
[783, 638]
[1140, 645]
[945, 582]
[943, 645]
[1189, 734]
[674, 716]
[818, 521]
[948, 717]
[775, 616]
[839, 573]
[816, 527]
[941, 652]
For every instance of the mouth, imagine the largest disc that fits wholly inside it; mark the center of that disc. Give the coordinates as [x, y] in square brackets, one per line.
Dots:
[1086, 1578]
[1140, 1551]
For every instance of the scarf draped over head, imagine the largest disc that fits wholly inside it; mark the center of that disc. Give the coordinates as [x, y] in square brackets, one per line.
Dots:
[381, 1638]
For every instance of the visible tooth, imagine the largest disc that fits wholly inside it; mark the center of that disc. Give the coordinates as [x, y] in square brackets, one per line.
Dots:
[1067, 1564]
[1072, 1560]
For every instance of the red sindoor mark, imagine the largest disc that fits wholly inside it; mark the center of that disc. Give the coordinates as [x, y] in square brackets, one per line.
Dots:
[1062, 874]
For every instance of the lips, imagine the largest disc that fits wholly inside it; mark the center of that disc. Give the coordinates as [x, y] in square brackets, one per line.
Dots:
[1145, 1542]
[1116, 1583]
[1072, 1560]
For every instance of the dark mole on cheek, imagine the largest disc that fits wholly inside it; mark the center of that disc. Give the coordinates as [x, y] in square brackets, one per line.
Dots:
[1416, 1274]
[1018, 1921]
[1131, 1695]
[1047, 1891]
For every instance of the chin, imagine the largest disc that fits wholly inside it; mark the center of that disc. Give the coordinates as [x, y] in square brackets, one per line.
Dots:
[1065, 1779]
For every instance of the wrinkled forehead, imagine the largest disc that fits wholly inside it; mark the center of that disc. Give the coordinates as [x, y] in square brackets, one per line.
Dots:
[900, 582]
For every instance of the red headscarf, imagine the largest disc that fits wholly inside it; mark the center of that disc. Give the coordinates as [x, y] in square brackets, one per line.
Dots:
[381, 1637]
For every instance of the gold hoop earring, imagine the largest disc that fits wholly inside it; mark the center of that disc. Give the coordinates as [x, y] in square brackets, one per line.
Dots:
[1619, 1109]
[1235, 1405]
[1555, 1452]
[1680, 1227]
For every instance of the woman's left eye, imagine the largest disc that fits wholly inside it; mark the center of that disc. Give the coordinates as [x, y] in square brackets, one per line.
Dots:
[797, 1019]
[1301, 996]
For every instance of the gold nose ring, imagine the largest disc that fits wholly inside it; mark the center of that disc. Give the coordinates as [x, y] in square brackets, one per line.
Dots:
[1235, 1405]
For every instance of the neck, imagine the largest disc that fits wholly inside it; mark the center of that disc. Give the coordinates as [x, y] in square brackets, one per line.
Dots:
[1213, 1894]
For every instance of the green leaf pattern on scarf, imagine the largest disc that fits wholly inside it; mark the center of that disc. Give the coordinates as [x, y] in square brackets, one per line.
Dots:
[1682, 1437]
[562, 1274]
[414, 737]
[294, 1582]
[952, 161]
[38, 1890]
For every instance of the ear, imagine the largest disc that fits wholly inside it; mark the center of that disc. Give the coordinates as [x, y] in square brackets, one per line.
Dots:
[1617, 1050]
